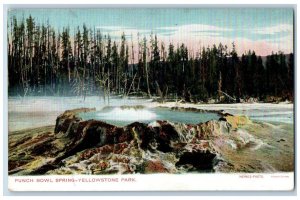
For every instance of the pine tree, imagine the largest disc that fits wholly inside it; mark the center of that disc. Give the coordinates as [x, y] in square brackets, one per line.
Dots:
[41, 60]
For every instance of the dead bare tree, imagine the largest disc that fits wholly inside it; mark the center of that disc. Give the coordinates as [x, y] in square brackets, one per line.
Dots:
[132, 83]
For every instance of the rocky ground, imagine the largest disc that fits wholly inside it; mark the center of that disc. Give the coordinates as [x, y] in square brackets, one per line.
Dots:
[75, 146]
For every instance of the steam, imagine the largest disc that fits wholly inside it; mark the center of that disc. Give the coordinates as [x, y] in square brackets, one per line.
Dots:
[118, 114]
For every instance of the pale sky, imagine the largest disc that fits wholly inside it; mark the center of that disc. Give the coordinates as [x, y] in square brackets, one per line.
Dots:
[260, 29]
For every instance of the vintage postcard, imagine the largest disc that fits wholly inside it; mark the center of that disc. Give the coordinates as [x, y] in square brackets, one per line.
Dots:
[150, 99]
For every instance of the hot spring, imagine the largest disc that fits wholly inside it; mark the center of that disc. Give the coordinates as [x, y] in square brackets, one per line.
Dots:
[120, 116]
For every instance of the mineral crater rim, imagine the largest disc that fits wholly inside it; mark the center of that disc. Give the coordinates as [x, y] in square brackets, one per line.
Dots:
[78, 146]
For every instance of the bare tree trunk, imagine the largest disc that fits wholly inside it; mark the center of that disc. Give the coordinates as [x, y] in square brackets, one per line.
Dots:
[125, 85]
[166, 93]
[132, 83]
[45, 74]
[230, 97]
[138, 86]
[220, 86]
[83, 80]
[158, 90]
[69, 73]
[108, 86]
[147, 80]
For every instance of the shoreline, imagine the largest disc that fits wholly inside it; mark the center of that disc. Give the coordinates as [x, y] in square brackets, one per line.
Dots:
[220, 105]
[36, 115]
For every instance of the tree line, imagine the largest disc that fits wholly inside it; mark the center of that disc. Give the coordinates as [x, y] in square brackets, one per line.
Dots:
[44, 61]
